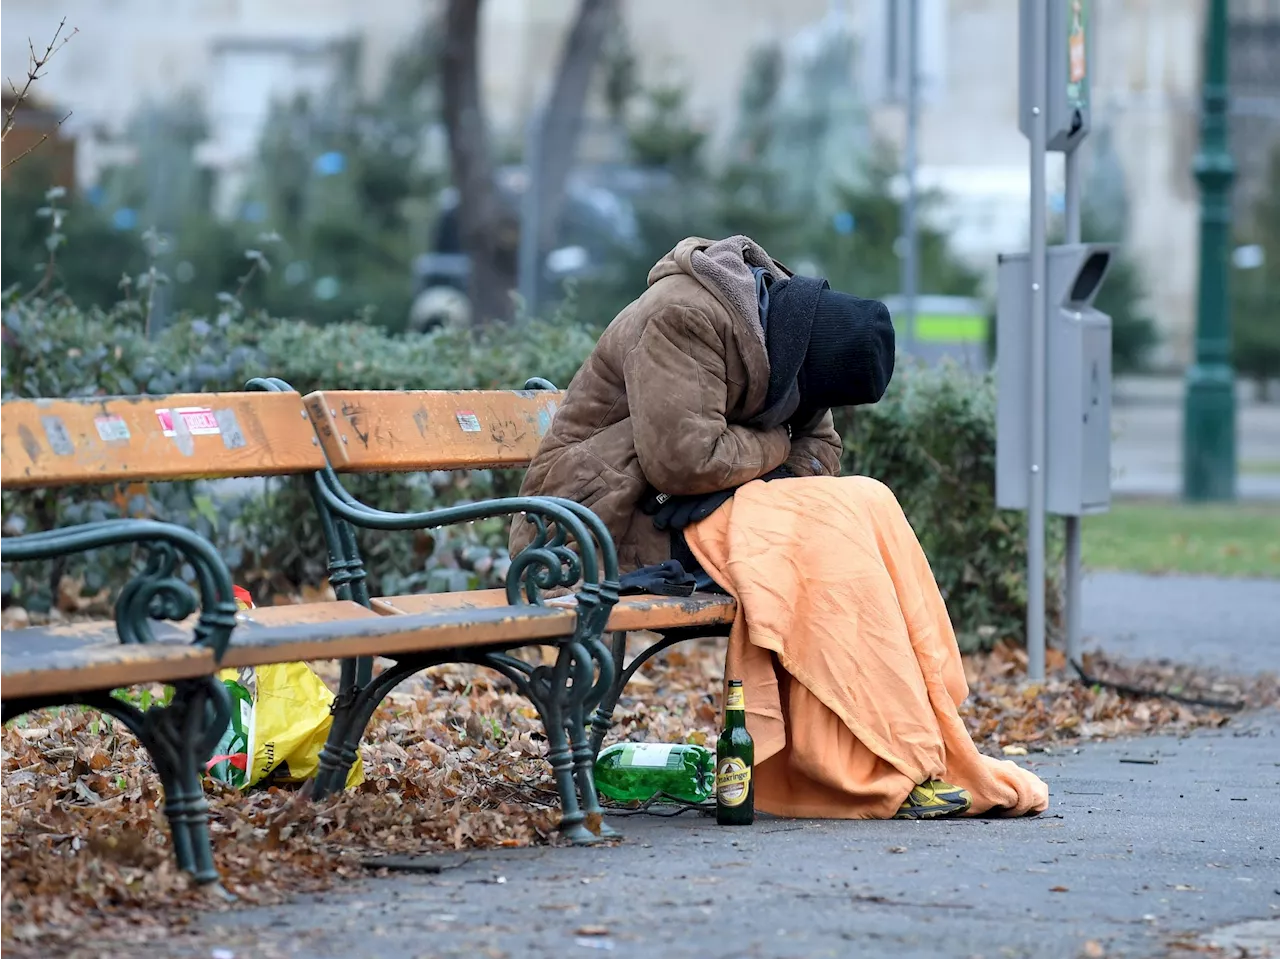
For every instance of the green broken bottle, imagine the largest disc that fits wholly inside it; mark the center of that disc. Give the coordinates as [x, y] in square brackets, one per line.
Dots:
[636, 772]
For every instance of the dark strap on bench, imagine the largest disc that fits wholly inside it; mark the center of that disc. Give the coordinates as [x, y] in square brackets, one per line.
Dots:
[665, 579]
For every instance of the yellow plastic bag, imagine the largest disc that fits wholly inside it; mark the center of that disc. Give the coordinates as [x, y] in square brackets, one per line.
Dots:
[289, 724]
[280, 720]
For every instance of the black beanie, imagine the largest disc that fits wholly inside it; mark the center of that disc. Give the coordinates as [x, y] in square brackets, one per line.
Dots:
[849, 361]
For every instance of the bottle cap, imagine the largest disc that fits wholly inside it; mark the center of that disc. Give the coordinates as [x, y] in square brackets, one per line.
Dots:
[244, 599]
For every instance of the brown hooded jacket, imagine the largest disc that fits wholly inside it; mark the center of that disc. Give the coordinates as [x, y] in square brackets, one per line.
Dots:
[665, 397]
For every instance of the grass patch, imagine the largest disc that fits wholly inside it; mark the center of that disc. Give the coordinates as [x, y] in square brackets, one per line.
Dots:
[1163, 537]
[1260, 468]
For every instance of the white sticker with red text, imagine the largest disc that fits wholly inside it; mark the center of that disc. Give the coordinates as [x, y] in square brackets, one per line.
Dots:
[112, 428]
[197, 420]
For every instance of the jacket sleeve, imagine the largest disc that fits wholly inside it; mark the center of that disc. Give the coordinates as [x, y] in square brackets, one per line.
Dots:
[816, 451]
[676, 390]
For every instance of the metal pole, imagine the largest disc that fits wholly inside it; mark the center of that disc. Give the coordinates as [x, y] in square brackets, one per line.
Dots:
[1037, 359]
[1071, 216]
[911, 240]
[1209, 426]
[530, 214]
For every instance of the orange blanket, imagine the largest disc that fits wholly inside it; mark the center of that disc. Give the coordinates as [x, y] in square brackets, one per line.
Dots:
[849, 663]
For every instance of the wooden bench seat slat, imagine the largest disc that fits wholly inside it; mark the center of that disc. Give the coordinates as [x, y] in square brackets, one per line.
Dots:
[32, 666]
[269, 636]
[77, 657]
[631, 613]
[154, 438]
[383, 431]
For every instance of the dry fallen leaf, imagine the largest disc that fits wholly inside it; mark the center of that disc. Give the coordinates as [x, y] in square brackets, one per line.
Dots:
[591, 931]
[897, 849]
[1014, 750]
[1059, 889]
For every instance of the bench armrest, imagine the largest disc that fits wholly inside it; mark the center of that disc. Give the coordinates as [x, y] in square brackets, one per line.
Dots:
[571, 544]
[549, 562]
[158, 592]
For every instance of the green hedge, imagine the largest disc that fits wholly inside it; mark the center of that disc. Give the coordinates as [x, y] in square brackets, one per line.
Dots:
[931, 439]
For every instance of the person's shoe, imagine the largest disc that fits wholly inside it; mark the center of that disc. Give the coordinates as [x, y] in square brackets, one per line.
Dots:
[934, 800]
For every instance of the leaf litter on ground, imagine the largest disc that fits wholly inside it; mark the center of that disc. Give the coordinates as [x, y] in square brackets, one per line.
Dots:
[453, 760]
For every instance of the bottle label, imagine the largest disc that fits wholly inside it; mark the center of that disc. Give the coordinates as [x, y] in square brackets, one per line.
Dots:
[735, 699]
[646, 756]
[733, 781]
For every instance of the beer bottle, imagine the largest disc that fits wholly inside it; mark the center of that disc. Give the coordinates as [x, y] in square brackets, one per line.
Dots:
[735, 756]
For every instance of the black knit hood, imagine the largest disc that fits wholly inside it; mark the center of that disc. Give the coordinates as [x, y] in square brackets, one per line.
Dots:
[826, 350]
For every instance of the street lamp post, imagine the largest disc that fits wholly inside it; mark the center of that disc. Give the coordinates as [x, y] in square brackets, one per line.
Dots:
[1209, 426]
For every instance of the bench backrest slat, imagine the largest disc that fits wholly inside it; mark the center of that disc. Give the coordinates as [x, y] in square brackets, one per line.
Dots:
[154, 438]
[389, 431]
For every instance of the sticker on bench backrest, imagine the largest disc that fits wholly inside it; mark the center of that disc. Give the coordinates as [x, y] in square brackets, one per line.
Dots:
[193, 420]
[112, 428]
[232, 438]
[56, 433]
[545, 416]
[180, 430]
[468, 421]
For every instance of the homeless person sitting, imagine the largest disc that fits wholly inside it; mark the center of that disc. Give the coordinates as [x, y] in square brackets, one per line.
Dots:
[721, 374]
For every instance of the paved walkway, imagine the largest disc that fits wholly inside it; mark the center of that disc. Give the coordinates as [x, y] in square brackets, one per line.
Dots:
[1146, 452]
[1129, 857]
[1232, 625]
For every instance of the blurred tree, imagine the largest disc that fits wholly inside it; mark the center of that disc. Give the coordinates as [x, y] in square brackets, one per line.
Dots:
[855, 246]
[1122, 297]
[90, 259]
[755, 194]
[664, 141]
[852, 243]
[166, 190]
[488, 226]
[345, 183]
[818, 115]
[583, 48]
[1104, 218]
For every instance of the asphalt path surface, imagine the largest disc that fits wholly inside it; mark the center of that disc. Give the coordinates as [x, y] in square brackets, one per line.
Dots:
[1131, 859]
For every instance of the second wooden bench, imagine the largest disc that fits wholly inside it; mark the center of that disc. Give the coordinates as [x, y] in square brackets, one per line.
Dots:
[412, 431]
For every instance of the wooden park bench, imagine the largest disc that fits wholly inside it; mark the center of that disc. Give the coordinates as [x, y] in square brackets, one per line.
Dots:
[156, 638]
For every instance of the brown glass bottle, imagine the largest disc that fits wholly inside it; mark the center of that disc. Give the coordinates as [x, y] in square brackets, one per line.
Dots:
[735, 759]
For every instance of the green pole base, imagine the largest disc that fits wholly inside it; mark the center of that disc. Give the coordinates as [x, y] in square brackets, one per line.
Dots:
[1209, 435]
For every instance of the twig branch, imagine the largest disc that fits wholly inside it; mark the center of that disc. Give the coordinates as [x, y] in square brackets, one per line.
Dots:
[35, 63]
[1126, 689]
